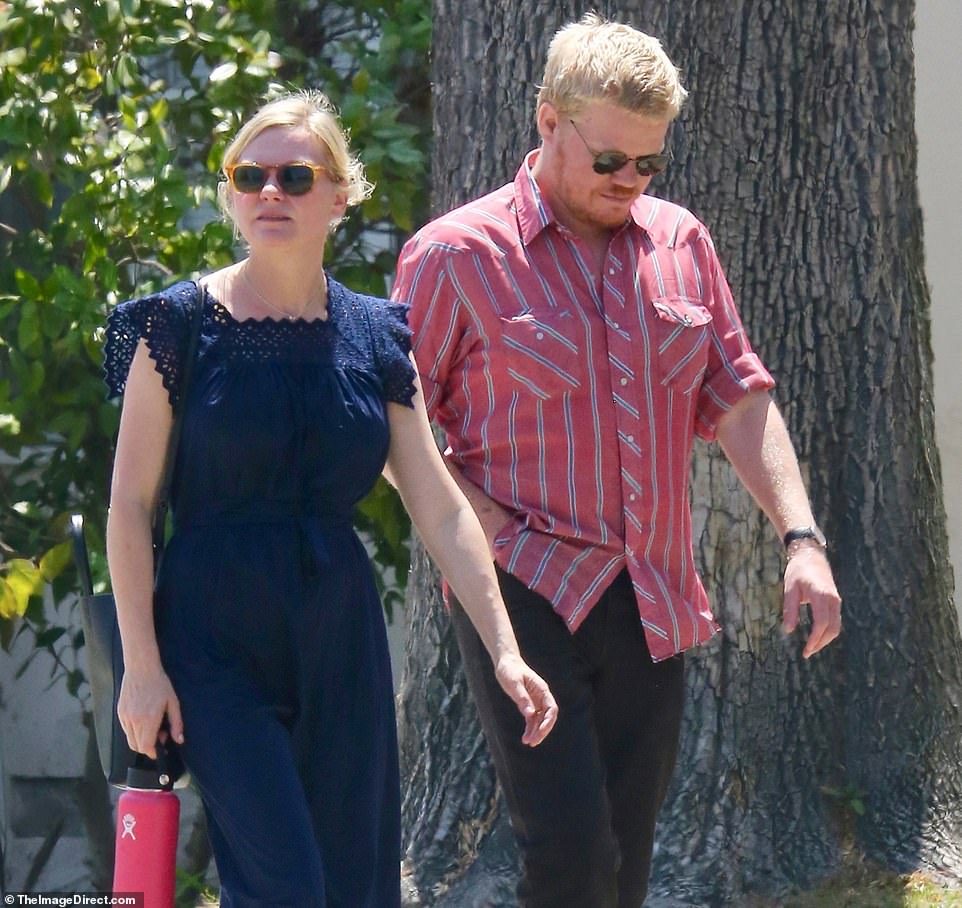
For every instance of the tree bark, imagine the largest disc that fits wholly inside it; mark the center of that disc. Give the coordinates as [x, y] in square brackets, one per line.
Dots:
[797, 148]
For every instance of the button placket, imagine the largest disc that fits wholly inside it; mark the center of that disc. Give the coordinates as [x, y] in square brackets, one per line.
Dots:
[627, 406]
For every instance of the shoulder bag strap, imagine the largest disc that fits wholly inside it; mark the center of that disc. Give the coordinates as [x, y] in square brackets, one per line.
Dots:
[163, 502]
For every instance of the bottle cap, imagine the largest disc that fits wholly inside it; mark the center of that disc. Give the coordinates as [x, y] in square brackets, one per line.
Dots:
[151, 775]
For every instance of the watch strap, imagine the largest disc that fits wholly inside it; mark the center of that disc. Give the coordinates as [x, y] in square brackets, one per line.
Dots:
[812, 532]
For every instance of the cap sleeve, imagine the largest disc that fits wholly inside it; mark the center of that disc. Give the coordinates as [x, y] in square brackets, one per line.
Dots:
[162, 320]
[393, 346]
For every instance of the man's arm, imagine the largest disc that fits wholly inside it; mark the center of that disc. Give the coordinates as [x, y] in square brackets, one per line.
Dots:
[491, 515]
[755, 440]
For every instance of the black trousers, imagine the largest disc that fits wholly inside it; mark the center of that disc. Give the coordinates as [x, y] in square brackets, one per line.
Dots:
[583, 804]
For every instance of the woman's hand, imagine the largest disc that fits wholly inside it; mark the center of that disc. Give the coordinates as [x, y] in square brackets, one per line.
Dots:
[146, 698]
[456, 541]
[531, 695]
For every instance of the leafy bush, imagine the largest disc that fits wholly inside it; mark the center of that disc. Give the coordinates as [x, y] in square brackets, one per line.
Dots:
[113, 119]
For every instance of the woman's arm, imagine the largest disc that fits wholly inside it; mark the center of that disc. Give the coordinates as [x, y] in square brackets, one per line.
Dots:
[490, 514]
[146, 695]
[455, 540]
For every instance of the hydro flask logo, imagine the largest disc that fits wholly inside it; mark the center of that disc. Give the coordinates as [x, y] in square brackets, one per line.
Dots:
[130, 821]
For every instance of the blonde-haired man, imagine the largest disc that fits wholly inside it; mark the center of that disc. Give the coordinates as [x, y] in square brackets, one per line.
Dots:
[573, 336]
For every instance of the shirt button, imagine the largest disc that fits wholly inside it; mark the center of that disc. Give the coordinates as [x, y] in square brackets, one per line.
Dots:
[623, 381]
[540, 335]
[631, 439]
[615, 325]
[632, 496]
[611, 271]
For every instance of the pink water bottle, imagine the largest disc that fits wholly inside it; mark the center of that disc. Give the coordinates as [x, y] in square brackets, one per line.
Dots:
[148, 819]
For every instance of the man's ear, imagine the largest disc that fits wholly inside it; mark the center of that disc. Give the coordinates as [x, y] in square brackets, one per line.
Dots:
[548, 119]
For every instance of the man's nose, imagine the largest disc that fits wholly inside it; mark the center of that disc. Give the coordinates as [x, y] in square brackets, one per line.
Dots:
[628, 176]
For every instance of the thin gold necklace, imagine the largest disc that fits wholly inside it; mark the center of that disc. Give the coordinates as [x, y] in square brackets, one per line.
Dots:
[291, 317]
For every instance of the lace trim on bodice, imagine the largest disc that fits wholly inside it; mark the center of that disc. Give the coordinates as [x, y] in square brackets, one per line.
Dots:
[161, 319]
[360, 332]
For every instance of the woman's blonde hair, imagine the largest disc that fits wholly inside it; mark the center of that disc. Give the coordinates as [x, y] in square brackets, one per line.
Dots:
[597, 60]
[313, 112]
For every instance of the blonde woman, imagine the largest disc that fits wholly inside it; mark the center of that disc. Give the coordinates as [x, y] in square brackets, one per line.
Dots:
[263, 646]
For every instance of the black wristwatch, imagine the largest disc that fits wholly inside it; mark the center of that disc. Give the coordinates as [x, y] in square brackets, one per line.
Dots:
[812, 532]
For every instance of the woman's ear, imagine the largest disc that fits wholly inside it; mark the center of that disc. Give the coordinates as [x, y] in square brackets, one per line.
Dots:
[339, 207]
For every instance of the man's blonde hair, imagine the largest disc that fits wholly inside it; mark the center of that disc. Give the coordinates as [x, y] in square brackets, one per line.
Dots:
[598, 60]
[313, 112]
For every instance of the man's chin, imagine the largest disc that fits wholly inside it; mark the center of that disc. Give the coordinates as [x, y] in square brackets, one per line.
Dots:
[612, 221]
[614, 212]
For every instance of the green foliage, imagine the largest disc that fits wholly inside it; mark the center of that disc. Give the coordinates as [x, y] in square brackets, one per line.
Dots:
[113, 119]
[192, 890]
[868, 886]
[847, 797]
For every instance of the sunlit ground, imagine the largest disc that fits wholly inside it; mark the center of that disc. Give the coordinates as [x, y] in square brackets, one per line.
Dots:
[867, 889]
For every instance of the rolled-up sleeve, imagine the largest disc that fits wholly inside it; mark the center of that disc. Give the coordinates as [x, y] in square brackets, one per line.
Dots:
[734, 369]
[422, 282]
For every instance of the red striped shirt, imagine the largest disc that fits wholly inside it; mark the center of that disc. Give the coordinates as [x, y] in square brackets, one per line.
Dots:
[573, 406]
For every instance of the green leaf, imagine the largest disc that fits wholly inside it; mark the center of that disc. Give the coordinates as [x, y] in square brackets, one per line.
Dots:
[55, 560]
[28, 331]
[27, 284]
[24, 578]
[404, 154]
[361, 82]
[33, 378]
[223, 72]
[11, 59]
[158, 110]
[9, 424]
[126, 71]
[11, 605]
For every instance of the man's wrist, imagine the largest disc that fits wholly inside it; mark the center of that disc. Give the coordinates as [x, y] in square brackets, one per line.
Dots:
[802, 538]
[803, 545]
[807, 533]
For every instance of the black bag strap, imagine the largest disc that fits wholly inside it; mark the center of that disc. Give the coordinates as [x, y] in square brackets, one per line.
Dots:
[163, 502]
[80, 556]
[78, 540]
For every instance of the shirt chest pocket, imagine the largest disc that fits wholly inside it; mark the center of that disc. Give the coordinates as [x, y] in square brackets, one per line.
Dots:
[541, 353]
[681, 336]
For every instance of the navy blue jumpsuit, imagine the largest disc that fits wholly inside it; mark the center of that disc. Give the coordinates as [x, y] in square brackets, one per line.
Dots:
[269, 622]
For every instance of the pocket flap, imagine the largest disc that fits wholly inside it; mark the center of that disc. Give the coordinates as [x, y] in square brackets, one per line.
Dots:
[681, 310]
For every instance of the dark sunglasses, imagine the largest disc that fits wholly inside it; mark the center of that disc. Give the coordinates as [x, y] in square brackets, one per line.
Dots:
[612, 161]
[295, 177]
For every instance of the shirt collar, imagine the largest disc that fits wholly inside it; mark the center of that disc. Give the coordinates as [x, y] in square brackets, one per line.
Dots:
[534, 213]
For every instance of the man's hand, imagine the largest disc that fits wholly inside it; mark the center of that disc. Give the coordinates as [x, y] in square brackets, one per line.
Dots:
[808, 579]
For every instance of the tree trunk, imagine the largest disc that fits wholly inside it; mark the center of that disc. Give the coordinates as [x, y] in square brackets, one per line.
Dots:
[458, 849]
[797, 148]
